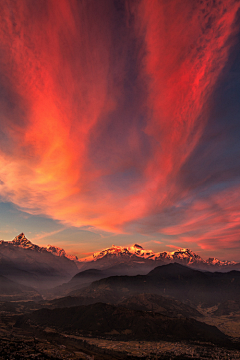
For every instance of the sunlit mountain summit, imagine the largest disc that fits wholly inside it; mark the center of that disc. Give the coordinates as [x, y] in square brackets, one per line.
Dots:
[183, 255]
[21, 241]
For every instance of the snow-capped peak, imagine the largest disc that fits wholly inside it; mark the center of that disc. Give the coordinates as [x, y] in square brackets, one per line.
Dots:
[133, 252]
[56, 250]
[60, 252]
[137, 250]
[214, 261]
[182, 255]
[114, 250]
[21, 241]
[186, 255]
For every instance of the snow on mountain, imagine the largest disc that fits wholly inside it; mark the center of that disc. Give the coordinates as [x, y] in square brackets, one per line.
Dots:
[135, 252]
[60, 252]
[23, 242]
[182, 255]
[214, 261]
[121, 251]
[186, 255]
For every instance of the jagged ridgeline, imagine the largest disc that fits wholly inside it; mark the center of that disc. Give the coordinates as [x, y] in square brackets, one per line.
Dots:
[47, 267]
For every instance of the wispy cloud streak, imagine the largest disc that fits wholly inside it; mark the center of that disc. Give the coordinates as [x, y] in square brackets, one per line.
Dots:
[103, 103]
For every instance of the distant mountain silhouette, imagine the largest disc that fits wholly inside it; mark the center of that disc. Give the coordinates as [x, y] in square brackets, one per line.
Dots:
[174, 270]
[174, 280]
[86, 277]
[78, 281]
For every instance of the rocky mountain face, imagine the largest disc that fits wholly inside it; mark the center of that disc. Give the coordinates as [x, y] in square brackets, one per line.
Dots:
[137, 257]
[22, 242]
[139, 252]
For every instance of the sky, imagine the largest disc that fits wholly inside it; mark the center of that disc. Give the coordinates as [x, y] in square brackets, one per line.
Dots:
[120, 124]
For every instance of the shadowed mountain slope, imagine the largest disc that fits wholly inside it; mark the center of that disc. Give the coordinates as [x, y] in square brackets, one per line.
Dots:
[174, 280]
[12, 291]
[161, 304]
[143, 302]
[81, 279]
[228, 307]
[86, 277]
[31, 265]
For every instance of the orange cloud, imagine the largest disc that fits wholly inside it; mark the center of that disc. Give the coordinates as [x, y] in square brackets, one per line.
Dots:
[73, 73]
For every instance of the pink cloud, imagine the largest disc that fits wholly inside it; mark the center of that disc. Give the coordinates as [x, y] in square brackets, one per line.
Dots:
[68, 75]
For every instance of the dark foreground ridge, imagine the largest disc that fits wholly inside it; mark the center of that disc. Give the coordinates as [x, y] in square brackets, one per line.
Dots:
[144, 302]
[122, 324]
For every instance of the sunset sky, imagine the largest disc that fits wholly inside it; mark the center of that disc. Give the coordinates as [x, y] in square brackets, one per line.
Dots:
[120, 123]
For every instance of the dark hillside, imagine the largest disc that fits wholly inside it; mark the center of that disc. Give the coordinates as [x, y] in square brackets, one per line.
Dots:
[174, 280]
[161, 304]
[121, 323]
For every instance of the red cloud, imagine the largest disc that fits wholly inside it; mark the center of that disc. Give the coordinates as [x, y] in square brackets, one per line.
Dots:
[186, 51]
[213, 225]
[66, 72]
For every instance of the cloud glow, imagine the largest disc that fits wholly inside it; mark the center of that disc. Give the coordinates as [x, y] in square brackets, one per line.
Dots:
[102, 107]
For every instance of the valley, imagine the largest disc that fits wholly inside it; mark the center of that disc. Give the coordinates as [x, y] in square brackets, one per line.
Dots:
[48, 343]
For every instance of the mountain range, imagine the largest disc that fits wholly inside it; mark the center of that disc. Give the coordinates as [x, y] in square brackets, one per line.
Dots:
[173, 280]
[117, 254]
[47, 267]
[136, 253]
